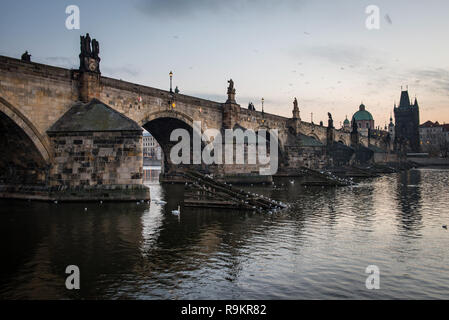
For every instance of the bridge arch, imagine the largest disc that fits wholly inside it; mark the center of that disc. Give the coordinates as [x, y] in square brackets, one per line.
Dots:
[26, 154]
[282, 154]
[342, 140]
[313, 135]
[161, 124]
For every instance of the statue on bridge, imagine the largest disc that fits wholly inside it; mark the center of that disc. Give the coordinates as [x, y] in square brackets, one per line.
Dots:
[89, 56]
[295, 109]
[231, 92]
[26, 57]
[330, 121]
[95, 49]
[231, 89]
[354, 126]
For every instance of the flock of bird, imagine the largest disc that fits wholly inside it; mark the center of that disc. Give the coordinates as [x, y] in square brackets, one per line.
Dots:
[278, 204]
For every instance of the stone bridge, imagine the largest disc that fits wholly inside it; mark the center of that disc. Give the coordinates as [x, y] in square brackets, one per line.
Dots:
[45, 143]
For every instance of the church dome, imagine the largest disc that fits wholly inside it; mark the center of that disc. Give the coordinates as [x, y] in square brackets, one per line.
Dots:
[362, 114]
[346, 121]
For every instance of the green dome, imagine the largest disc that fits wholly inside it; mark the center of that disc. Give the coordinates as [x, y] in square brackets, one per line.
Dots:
[346, 121]
[362, 114]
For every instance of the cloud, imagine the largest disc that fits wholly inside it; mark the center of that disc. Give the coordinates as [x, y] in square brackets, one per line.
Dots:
[121, 71]
[342, 55]
[189, 8]
[434, 80]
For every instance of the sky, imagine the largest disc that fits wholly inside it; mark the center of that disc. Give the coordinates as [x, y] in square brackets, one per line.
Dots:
[318, 51]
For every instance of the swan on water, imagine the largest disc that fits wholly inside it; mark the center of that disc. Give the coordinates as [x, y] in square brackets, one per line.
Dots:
[176, 212]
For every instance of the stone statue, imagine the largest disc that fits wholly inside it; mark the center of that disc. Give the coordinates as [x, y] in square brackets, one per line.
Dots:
[26, 57]
[251, 106]
[89, 56]
[295, 104]
[87, 45]
[82, 45]
[354, 126]
[95, 48]
[231, 89]
[177, 90]
[331, 121]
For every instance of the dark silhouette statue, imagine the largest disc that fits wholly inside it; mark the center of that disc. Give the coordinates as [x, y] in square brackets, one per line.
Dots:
[330, 121]
[231, 89]
[354, 126]
[90, 54]
[95, 48]
[26, 57]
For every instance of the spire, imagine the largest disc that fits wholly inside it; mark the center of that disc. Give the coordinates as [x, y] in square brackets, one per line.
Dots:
[416, 103]
[405, 99]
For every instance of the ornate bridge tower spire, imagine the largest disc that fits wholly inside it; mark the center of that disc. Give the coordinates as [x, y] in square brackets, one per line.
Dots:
[89, 56]
[89, 81]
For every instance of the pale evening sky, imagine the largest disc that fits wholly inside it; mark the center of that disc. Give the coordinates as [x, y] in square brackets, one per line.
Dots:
[318, 51]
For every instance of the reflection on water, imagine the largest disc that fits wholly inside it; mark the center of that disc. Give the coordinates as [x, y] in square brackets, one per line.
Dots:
[318, 248]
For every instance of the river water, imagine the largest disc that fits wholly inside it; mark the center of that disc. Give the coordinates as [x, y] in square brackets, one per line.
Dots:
[319, 248]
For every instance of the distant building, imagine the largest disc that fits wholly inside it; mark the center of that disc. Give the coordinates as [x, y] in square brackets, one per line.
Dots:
[434, 138]
[346, 125]
[364, 120]
[151, 149]
[407, 124]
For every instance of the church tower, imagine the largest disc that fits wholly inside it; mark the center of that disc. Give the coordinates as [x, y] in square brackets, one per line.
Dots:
[407, 124]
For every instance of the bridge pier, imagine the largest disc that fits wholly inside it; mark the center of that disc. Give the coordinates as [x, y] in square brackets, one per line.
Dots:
[97, 156]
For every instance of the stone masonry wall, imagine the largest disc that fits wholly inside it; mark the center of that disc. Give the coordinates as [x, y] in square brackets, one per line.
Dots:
[311, 157]
[97, 158]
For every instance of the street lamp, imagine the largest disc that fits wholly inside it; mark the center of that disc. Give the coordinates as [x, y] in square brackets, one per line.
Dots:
[263, 112]
[171, 77]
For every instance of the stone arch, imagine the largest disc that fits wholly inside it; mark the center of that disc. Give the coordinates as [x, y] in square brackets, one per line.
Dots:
[40, 142]
[174, 114]
[26, 156]
[161, 124]
[313, 135]
[282, 154]
[342, 140]
[166, 114]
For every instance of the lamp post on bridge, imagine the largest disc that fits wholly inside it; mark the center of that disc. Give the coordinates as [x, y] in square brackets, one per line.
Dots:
[263, 112]
[171, 78]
